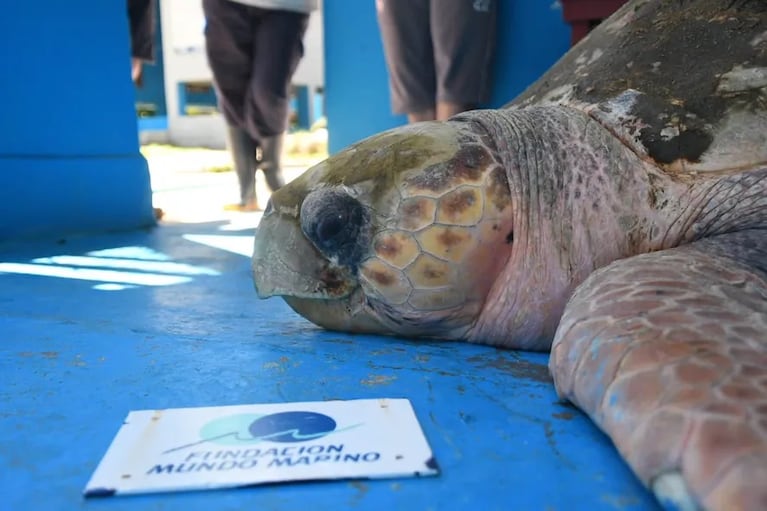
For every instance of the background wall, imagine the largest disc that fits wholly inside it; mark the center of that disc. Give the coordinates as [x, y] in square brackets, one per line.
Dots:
[532, 35]
[69, 154]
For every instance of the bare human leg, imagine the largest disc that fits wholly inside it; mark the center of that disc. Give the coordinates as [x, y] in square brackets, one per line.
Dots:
[446, 110]
[424, 115]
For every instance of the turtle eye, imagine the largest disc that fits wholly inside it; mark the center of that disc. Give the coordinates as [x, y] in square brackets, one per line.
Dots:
[336, 223]
[329, 226]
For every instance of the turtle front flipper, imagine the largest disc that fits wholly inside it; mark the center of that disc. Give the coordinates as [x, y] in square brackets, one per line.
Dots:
[667, 352]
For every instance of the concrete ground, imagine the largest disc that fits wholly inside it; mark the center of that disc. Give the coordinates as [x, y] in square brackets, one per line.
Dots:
[95, 326]
[192, 185]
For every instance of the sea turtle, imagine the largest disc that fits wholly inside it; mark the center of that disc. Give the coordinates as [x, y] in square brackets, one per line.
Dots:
[615, 213]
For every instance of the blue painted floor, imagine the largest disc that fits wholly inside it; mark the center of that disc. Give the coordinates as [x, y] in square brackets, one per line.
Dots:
[157, 319]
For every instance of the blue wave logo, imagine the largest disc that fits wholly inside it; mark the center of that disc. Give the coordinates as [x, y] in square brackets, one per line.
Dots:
[292, 426]
[282, 427]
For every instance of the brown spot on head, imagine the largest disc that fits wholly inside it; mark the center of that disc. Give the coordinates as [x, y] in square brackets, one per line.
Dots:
[464, 206]
[382, 280]
[450, 239]
[396, 248]
[458, 202]
[413, 208]
[437, 178]
[467, 166]
[387, 247]
[447, 242]
[473, 156]
[416, 213]
[431, 272]
[498, 193]
[380, 277]
[332, 281]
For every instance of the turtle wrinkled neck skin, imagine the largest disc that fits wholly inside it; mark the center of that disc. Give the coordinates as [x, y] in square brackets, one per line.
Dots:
[614, 213]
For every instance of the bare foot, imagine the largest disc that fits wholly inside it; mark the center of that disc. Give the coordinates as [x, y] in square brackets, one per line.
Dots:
[247, 207]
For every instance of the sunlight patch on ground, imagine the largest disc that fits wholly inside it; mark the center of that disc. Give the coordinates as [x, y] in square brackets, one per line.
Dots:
[142, 253]
[112, 276]
[114, 269]
[242, 245]
[243, 222]
[126, 264]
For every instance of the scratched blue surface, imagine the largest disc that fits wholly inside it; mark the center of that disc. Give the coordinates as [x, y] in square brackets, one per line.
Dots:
[74, 360]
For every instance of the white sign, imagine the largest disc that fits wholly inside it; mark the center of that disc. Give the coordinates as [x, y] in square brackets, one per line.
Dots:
[229, 446]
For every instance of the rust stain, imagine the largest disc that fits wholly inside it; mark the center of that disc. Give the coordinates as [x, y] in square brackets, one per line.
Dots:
[563, 415]
[49, 355]
[619, 501]
[378, 379]
[278, 365]
[340, 341]
[360, 486]
[518, 368]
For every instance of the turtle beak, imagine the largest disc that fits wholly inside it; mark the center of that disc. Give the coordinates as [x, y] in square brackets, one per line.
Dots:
[348, 315]
[286, 264]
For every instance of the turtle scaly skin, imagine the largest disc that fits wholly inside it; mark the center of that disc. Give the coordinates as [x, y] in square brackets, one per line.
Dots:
[615, 213]
[667, 354]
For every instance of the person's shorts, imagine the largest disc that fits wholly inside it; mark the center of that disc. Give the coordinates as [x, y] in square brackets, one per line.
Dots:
[253, 53]
[437, 51]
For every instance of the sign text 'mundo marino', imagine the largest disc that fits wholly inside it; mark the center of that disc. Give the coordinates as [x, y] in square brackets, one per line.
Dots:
[229, 446]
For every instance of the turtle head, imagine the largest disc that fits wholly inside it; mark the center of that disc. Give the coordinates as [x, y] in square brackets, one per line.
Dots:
[402, 233]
